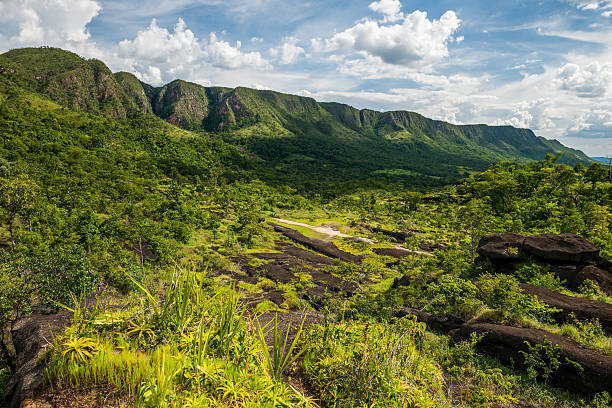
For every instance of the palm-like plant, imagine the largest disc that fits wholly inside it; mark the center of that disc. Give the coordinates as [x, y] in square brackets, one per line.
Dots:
[281, 356]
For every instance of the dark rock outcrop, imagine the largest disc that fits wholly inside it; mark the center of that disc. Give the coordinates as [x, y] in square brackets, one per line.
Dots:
[507, 342]
[398, 236]
[504, 247]
[393, 252]
[31, 336]
[570, 257]
[580, 308]
[439, 323]
[560, 248]
[318, 245]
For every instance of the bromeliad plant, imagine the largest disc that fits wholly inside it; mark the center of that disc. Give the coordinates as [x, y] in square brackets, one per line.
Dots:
[195, 347]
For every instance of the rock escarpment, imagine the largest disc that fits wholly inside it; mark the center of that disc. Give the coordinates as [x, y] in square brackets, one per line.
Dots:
[570, 257]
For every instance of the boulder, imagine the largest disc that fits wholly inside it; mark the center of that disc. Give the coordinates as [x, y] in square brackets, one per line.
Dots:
[398, 236]
[393, 252]
[32, 335]
[603, 263]
[603, 278]
[557, 248]
[580, 308]
[507, 342]
[438, 323]
[501, 247]
[568, 248]
[575, 275]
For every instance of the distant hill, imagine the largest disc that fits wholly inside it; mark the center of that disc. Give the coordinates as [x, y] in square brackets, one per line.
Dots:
[295, 140]
[600, 159]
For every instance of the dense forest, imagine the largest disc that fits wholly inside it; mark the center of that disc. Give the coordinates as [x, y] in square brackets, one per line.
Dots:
[208, 247]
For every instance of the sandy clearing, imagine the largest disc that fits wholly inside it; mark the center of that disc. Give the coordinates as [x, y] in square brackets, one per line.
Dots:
[330, 232]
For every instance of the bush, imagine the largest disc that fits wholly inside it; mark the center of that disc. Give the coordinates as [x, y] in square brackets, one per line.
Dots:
[503, 293]
[539, 275]
[453, 295]
[61, 272]
[372, 365]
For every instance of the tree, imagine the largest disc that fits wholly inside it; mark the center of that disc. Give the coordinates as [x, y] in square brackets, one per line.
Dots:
[594, 173]
[16, 196]
[476, 222]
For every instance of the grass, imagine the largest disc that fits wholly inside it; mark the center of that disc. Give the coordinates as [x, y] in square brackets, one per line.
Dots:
[193, 345]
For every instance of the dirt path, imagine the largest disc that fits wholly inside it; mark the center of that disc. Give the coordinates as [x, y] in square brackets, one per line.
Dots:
[331, 233]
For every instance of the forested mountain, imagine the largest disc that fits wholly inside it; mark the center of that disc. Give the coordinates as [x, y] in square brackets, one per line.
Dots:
[295, 140]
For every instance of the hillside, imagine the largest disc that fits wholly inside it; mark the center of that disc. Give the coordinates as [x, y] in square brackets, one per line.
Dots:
[290, 136]
[146, 265]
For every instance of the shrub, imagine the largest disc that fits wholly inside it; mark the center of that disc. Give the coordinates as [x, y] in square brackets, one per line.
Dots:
[503, 293]
[372, 365]
[61, 272]
[453, 295]
[543, 360]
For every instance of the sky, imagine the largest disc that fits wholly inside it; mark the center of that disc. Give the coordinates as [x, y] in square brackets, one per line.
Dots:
[544, 65]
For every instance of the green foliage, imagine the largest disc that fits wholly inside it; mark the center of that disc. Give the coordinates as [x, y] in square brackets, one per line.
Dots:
[277, 360]
[199, 346]
[601, 400]
[589, 288]
[538, 275]
[502, 292]
[61, 272]
[543, 360]
[15, 297]
[372, 365]
[451, 294]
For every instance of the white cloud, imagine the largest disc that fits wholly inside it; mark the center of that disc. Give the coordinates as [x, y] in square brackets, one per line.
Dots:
[530, 115]
[158, 44]
[223, 55]
[58, 23]
[590, 81]
[605, 6]
[55, 22]
[391, 9]
[288, 52]
[416, 42]
[152, 76]
[596, 123]
[159, 55]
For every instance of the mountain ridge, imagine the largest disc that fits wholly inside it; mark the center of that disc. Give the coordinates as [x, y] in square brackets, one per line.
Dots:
[292, 135]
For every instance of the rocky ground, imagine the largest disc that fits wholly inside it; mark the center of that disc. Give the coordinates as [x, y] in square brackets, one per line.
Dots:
[570, 257]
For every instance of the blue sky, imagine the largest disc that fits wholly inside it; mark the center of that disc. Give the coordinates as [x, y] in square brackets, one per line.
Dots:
[544, 65]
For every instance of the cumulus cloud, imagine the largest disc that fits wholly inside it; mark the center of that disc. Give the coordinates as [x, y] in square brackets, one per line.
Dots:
[590, 81]
[415, 42]
[158, 44]
[60, 23]
[157, 53]
[152, 75]
[223, 55]
[391, 9]
[596, 123]
[288, 52]
[530, 115]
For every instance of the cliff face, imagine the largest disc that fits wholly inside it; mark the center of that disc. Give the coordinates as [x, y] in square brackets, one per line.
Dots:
[66, 78]
[135, 90]
[181, 103]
